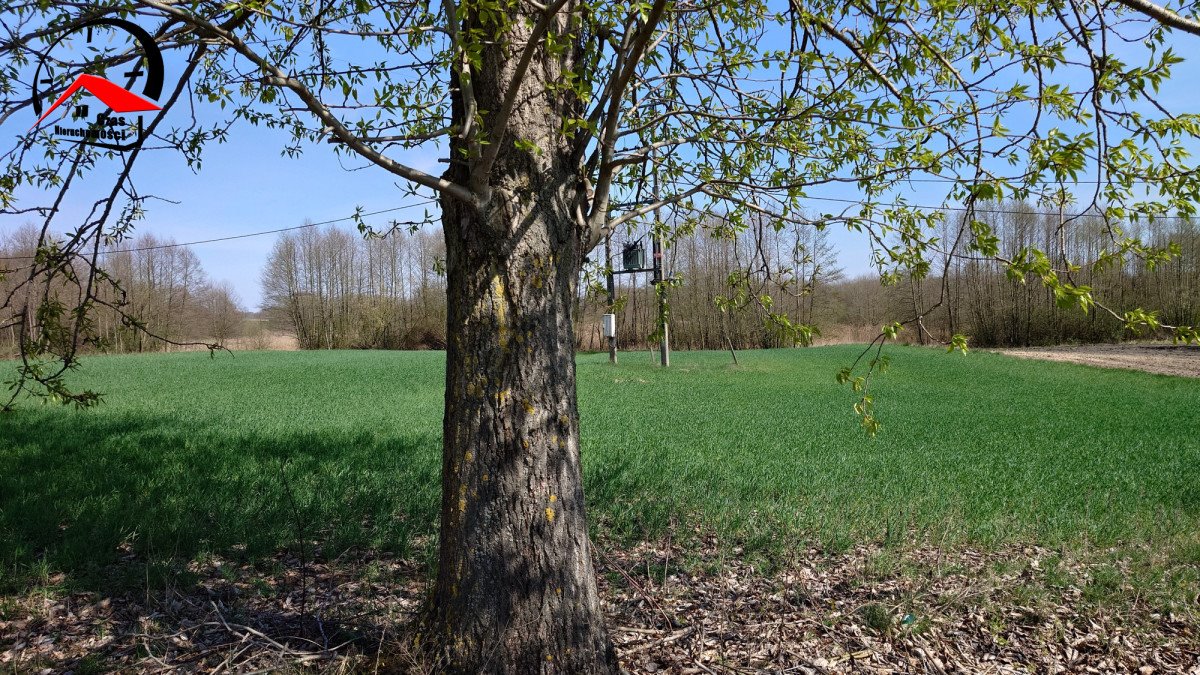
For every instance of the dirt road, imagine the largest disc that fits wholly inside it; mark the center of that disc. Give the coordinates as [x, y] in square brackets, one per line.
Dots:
[1165, 359]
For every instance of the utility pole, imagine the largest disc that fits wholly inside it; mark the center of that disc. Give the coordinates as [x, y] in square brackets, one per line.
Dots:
[612, 298]
[664, 346]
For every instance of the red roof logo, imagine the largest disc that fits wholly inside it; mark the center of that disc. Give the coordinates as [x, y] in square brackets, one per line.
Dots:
[119, 99]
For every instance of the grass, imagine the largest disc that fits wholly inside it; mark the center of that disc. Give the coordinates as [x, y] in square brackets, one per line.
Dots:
[241, 456]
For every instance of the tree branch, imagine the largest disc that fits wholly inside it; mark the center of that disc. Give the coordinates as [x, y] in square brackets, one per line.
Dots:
[608, 140]
[277, 77]
[1163, 15]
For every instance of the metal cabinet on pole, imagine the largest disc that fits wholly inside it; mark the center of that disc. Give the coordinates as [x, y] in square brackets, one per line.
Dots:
[633, 260]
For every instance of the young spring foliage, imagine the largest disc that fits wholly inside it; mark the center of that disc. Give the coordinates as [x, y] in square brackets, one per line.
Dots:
[716, 112]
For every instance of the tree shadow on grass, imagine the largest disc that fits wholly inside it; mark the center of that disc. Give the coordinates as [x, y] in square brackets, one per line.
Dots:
[154, 514]
[81, 492]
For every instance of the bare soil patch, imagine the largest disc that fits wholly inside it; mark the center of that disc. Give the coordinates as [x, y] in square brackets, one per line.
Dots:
[272, 341]
[867, 610]
[1164, 359]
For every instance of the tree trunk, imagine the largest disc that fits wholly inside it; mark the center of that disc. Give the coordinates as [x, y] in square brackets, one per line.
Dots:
[515, 590]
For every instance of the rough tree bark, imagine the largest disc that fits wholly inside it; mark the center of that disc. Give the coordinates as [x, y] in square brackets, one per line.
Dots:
[515, 590]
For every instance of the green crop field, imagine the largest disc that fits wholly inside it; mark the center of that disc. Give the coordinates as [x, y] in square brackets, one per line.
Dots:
[246, 454]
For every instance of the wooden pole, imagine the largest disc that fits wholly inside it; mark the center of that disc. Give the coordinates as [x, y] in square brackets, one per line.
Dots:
[612, 299]
[664, 345]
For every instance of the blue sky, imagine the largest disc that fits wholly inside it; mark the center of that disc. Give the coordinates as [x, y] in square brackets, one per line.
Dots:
[246, 186]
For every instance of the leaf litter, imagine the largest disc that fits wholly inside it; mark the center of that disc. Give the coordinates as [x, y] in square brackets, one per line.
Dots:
[700, 607]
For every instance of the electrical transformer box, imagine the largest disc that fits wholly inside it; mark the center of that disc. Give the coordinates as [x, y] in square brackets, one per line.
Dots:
[634, 257]
[609, 325]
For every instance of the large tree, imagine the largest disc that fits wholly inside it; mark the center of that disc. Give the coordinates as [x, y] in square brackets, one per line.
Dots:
[563, 120]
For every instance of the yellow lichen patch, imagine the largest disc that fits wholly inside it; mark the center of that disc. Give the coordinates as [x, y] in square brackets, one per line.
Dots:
[462, 504]
[549, 514]
[558, 590]
[469, 456]
[503, 396]
[549, 657]
[485, 478]
[525, 443]
[562, 442]
[564, 420]
[553, 498]
[500, 304]
[529, 409]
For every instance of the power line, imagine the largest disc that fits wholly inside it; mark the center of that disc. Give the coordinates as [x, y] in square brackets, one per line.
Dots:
[230, 238]
[851, 202]
[960, 209]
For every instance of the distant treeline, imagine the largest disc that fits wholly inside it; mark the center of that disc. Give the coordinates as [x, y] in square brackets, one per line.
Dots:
[333, 289]
[796, 270]
[159, 286]
[981, 301]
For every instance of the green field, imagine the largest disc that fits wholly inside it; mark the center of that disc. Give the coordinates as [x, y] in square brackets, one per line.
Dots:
[246, 454]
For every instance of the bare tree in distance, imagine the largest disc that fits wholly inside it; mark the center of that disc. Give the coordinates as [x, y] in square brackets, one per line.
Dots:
[224, 312]
[389, 296]
[152, 287]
